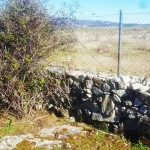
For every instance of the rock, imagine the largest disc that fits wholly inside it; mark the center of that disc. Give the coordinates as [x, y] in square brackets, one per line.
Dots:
[143, 110]
[116, 98]
[97, 92]
[112, 85]
[70, 81]
[76, 84]
[143, 89]
[130, 113]
[123, 109]
[135, 86]
[89, 95]
[99, 117]
[147, 81]
[99, 99]
[127, 103]
[98, 81]
[145, 97]
[120, 93]
[125, 79]
[138, 102]
[130, 125]
[88, 91]
[88, 84]
[107, 106]
[123, 86]
[89, 77]
[106, 87]
[81, 78]
[144, 126]
[61, 112]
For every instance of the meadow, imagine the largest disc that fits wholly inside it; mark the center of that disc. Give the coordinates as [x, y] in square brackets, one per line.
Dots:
[96, 49]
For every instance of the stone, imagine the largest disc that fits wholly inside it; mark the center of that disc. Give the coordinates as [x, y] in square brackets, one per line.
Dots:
[147, 81]
[76, 84]
[130, 125]
[123, 86]
[143, 110]
[145, 97]
[97, 91]
[98, 81]
[99, 99]
[88, 91]
[70, 81]
[107, 106]
[106, 87]
[99, 117]
[125, 79]
[143, 89]
[112, 85]
[127, 103]
[116, 98]
[89, 95]
[81, 78]
[135, 86]
[144, 126]
[120, 93]
[88, 84]
[123, 109]
[130, 113]
[138, 102]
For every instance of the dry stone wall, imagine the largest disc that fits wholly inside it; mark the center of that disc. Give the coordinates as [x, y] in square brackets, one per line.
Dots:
[107, 98]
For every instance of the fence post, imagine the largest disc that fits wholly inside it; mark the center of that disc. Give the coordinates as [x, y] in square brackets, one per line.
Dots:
[120, 43]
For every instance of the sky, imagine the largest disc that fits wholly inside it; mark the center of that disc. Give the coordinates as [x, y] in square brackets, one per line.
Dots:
[97, 8]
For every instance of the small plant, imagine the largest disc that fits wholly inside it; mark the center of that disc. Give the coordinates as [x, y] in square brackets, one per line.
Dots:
[139, 146]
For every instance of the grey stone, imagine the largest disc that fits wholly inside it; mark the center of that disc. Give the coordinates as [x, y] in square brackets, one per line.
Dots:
[98, 81]
[81, 78]
[143, 110]
[116, 98]
[97, 91]
[127, 103]
[107, 106]
[88, 84]
[125, 79]
[106, 87]
[130, 113]
[147, 81]
[89, 95]
[76, 84]
[144, 126]
[145, 97]
[130, 125]
[70, 81]
[120, 93]
[135, 86]
[99, 99]
[99, 117]
[138, 102]
[88, 91]
[143, 89]
[111, 84]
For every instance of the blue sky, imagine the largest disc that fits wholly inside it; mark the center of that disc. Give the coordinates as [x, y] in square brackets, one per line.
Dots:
[93, 8]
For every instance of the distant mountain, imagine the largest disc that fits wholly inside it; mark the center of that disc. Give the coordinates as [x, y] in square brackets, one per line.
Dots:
[75, 23]
[98, 23]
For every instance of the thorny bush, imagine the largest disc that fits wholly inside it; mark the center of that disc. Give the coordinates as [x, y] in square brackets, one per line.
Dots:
[28, 35]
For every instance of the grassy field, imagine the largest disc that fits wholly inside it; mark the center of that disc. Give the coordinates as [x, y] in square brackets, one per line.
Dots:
[96, 49]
